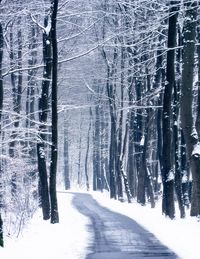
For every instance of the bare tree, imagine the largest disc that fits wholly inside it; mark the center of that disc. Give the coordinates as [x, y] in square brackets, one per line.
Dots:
[167, 165]
[43, 113]
[187, 121]
[54, 121]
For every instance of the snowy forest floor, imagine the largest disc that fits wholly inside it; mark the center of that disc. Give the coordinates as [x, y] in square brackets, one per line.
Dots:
[71, 238]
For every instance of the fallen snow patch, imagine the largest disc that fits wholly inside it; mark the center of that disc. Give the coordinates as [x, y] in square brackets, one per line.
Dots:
[180, 235]
[66, 240]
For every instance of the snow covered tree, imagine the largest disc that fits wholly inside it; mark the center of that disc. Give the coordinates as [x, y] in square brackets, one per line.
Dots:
[167, 165]
[187, 119]
[43, 113]
[54, 121]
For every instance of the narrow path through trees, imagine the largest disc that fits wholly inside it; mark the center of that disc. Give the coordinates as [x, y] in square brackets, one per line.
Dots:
[117, 236]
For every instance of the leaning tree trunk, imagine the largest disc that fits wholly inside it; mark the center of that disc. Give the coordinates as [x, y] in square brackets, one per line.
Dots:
[187, 122]
[1, 106]
[167, 167]
[54, 146]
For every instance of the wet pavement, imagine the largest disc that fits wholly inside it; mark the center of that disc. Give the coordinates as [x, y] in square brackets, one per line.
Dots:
[116, 236]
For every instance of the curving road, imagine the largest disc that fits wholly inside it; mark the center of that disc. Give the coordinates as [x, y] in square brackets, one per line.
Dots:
[116, 236]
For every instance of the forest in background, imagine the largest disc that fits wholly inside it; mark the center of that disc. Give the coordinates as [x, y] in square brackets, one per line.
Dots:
[103, 95]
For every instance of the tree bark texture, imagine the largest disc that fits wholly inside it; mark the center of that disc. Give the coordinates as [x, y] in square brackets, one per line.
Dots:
[1, 107]
[187, 121]
[54, 121]
[43, 113]
[167, 165]
[178, 174]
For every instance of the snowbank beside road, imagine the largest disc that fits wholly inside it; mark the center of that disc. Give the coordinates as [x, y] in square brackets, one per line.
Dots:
[68, 239]
[180, 235]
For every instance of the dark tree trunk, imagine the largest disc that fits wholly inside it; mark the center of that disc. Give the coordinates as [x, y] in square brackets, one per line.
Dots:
[44, 189]
[185, 172]
[131, 168]
[167, 167]
[159, 82]
[132, 178]
[43, 113]
[1, 107]
[112, 159]
[122, 171]
[145, 178]
[131, 164]
[54, 147]
[178, 174]
[119, 161]
[187, 123]
[113, 144]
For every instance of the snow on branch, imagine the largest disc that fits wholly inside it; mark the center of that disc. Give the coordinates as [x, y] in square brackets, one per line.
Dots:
[196, 150]
[46, 29]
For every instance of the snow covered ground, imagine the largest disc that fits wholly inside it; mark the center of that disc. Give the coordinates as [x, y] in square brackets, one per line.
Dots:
[66, 240]
[70, 238]
[181, 235]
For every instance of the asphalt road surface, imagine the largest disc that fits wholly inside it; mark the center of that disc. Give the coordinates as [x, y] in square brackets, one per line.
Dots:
[116, 236]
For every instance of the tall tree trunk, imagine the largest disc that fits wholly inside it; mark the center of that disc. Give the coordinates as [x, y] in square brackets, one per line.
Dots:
[113, 144]
[178, 174]
[167, 166]
[185, 173]
[158, 82]
[97, 154]
[43, 113]
[187, 123]
[122, 171]
[145, 179]
[1, 107]
[120, 130]
[132, 177]
[131, 164]
[54, 147]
